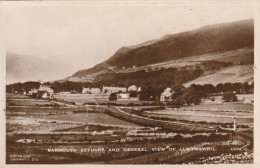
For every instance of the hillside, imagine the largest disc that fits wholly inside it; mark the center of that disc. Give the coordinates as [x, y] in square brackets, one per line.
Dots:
[209, 39]
[227, 43]
[232, 74]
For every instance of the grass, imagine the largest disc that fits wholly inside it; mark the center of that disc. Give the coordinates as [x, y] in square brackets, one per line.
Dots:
[223, 106]
[90, 118]
[99, 100]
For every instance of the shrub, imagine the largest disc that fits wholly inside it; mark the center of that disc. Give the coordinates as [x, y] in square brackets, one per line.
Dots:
[113, 96]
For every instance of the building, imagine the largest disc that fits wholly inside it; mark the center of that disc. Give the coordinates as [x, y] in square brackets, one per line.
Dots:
[63, 93]
[47, 91]
[123, 96]
[111, 67]
[86, 90]
[91, 90]
[134, 88]
[33, 91]
[45, 95]
[109, 90]
[95, 90]
[166, 95]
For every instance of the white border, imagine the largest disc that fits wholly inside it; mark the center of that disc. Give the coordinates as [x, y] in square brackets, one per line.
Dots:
[129, 2]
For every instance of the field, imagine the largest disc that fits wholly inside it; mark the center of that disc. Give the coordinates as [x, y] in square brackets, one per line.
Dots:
[41, 130]
[210, 113]
[89, 118]
[242, 100]
[96, 99]
[232, 74]
[223, 106]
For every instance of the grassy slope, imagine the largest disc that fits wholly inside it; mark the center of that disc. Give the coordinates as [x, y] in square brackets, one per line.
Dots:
[232, 74]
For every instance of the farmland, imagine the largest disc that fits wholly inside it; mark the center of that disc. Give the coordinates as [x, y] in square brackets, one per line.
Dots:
[96, 99]
[59, 132]
[209, 113]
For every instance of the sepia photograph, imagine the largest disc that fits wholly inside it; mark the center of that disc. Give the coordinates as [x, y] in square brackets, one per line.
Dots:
[129, 82]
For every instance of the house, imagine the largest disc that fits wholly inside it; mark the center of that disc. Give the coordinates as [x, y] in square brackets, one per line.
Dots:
[33, 91]
[109, 90]
[86, 90]
[134, 88]
[91, 90]
[166, 95]
[122, 96]
[95, 90]
[45, 95]
[47, 91]
[111, 67]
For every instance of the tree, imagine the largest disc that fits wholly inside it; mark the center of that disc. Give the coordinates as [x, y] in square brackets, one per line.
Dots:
[229, 97]
[150, 93]
[113, 96]
[220, 88]
[133, 93]
[246, 87]
[188, 96]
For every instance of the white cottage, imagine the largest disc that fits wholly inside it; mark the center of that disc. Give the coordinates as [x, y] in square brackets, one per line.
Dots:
[122, 96]
[134, 88]
[91, 90]
[166, 95]
[85, 90]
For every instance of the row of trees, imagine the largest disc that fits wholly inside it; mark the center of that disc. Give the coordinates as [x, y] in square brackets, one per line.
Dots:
[159, 78]
[21, 87]
[67, 86]
[220, 88]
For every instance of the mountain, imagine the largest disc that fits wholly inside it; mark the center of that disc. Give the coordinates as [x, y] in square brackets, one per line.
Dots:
[229, 44]
[208, 39]
[21, 68]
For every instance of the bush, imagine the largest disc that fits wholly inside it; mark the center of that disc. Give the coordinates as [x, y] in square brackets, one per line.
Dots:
[113, 96]
[229, 97]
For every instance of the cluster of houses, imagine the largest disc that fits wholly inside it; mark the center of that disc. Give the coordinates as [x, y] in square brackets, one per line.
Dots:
[43, 91]
[122, 93]
[109, 90]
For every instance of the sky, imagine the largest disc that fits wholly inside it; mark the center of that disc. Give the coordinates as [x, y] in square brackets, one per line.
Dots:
[80, 35]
